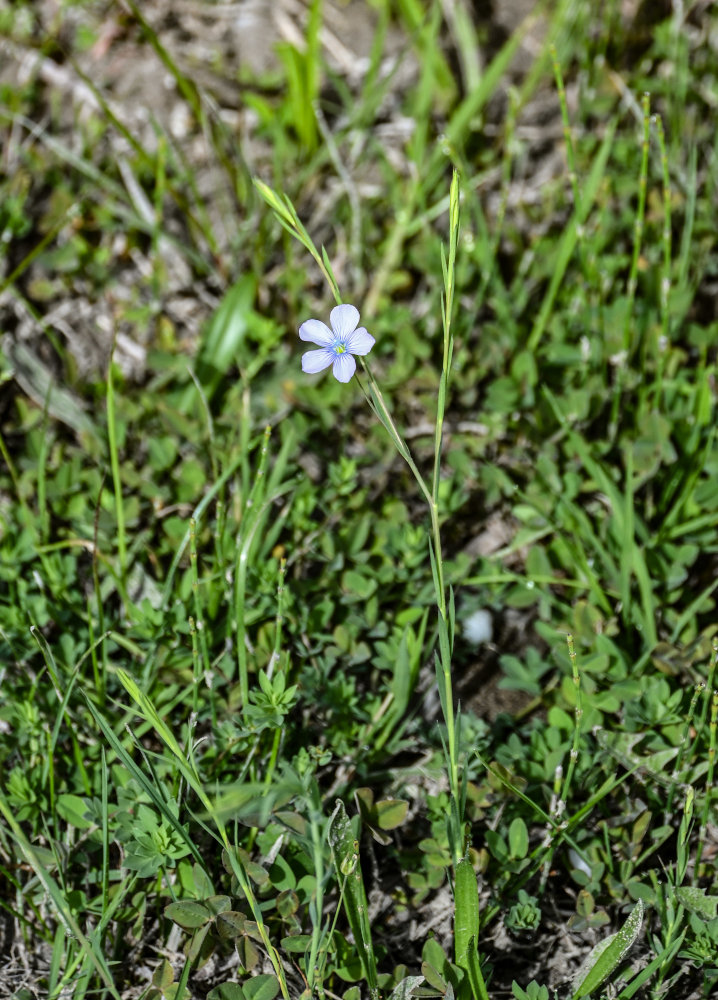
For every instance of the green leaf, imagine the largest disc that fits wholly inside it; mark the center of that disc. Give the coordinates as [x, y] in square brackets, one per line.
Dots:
[281, 875]
[391, 813]
[218, 904]
[188, 913]
[608, 955]
[274, 201]
[466, 931]
[401, 682]
[163, 976]
[403, 990]
[263, 987]
[73, 810]
[287, 903]
[358, 586]
[384, 815]
[230, 924]
[518, 839]
[569, 239]
[227, 991]
[296, 943]
[225, 333]
[466, 912]
[199, 947]
[202, 883]
[433, 977]
[434, 954]
[476, 978]
[497, 845]
[247, 952]
[695, 900]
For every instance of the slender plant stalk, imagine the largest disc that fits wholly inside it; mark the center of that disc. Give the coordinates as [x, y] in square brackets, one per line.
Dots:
[196, 665]
[577, 716]
[279, 620]
[273, 661]
[247, 529]
[116, 479]
[448, 268]
[105, 807]
[316, 906]
[432, 499]
[639, 222]
[100, 668]
[199, 622]
[378, 404]
[555, 811]
[287, 216]
[666, 239]
[682, 749]
[703, 829]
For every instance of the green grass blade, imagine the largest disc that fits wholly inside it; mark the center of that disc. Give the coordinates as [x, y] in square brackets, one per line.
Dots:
[608, 955]
[345, 848]
[570, 237]
[60, 904]
[466, 930]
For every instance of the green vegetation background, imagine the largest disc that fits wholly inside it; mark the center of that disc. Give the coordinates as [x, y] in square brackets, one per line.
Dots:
[215, 588]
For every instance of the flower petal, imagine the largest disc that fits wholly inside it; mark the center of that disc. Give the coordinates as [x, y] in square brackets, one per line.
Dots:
[316, 332]
[317, 361]
[360, 342]
[344, 367]
[344, 319]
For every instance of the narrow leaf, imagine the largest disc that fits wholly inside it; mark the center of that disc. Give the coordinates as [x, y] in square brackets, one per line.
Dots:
[608, 955]
[695, 900]
[345, 848]
[466, 913]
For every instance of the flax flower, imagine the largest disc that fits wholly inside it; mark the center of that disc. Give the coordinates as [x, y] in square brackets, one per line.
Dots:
[338, 345]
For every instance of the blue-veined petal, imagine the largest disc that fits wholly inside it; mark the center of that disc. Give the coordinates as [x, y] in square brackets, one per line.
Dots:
[344, 367]
[317, 361]
[360, 342]
[344, 320]
[316, 332]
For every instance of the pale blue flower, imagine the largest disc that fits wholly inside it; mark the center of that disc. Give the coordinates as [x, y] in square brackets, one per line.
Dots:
[338, 345]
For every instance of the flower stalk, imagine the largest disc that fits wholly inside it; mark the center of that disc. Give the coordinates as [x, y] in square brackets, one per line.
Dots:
[338, 346]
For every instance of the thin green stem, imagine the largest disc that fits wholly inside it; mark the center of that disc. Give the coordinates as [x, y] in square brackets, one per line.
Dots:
[556, 807]
[196, 665]
[666, 270]
[703, 829]
[578, 716]
[196, 597]
[316, 906]
[248, 527]
[431, 496]
[279, 620]
[274, 753]
[639, 222]
[116, 479]
[683, 746]
[378, 404]
[448, 268]
[380, 408]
